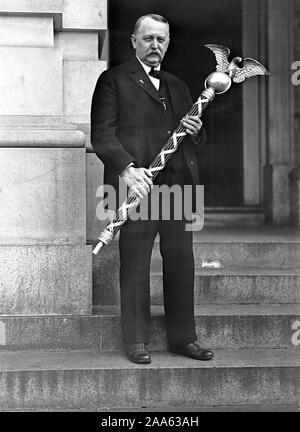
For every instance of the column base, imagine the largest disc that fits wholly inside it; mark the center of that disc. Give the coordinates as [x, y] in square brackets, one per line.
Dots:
[295, 196]
[37, 280]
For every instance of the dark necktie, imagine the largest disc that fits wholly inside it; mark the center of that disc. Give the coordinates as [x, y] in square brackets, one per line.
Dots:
[155, 73]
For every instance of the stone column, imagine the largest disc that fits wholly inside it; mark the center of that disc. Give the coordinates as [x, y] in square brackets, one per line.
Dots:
[251, 107]
[49, 66]
[280, 154]
[295, 174]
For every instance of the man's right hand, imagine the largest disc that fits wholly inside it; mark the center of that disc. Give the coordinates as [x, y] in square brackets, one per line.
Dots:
[139, 180]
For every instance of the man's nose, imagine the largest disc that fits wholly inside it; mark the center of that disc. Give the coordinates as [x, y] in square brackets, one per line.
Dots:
[154, 43]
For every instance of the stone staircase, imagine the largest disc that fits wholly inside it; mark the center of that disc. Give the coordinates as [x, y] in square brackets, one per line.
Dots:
[246, 310]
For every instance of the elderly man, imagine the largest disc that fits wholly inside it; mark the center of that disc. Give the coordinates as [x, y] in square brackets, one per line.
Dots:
[135, 108]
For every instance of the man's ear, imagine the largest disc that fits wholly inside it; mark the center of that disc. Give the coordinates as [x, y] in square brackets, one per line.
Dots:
[133, 41]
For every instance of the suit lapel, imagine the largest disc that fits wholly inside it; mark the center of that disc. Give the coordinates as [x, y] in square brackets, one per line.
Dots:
[139, 76]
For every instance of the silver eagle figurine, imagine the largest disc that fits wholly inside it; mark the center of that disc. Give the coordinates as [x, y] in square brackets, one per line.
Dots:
[238, 74]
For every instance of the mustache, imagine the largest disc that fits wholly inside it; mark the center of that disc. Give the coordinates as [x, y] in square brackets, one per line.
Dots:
[155, 52]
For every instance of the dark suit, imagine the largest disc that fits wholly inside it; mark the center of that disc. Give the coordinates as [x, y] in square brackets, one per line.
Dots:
[128, 124]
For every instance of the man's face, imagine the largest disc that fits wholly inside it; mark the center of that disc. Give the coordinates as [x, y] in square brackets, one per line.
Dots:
[151, 41]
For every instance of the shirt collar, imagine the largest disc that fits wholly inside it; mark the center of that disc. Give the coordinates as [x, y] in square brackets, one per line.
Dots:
[147, 68]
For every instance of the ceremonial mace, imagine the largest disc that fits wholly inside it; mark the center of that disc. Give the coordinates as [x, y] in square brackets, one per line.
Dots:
[217, 82]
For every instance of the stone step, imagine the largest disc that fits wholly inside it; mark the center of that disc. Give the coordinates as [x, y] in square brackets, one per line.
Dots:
[243, 247]
[219, 286]
[246, 248]
[234, 216]
[241, 254]
[266, 249]
[97, 380]
[292, 407]
[217, 326]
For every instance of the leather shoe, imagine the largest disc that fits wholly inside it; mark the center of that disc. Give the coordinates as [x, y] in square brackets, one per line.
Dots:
[138, 353]
[194, 351]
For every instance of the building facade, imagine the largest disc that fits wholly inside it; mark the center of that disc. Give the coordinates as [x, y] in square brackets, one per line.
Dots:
[51, 54]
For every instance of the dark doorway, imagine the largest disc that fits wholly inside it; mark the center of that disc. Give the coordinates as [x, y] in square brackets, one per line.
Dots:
[193, 24]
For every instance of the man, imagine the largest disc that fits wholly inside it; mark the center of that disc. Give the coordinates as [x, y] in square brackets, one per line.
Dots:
[135, 109]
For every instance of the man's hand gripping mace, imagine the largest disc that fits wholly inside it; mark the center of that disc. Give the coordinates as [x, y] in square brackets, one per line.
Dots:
[216, 83]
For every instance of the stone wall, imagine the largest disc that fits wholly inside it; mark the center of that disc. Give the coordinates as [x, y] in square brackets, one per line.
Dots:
[49, 54]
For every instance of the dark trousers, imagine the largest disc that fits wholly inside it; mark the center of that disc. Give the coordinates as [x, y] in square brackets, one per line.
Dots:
[176, 247]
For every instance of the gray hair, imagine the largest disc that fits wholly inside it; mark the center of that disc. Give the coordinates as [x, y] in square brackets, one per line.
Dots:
[155, 17]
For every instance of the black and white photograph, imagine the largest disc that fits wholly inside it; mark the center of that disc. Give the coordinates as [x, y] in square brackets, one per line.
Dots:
[149, 210]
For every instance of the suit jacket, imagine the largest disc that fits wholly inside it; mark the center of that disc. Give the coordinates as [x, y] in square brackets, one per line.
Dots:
[127, 119]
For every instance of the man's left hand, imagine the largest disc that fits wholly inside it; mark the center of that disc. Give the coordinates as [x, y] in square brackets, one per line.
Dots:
[192, 125]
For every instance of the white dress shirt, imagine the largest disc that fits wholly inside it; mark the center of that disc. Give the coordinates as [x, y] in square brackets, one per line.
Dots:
[147, 69]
